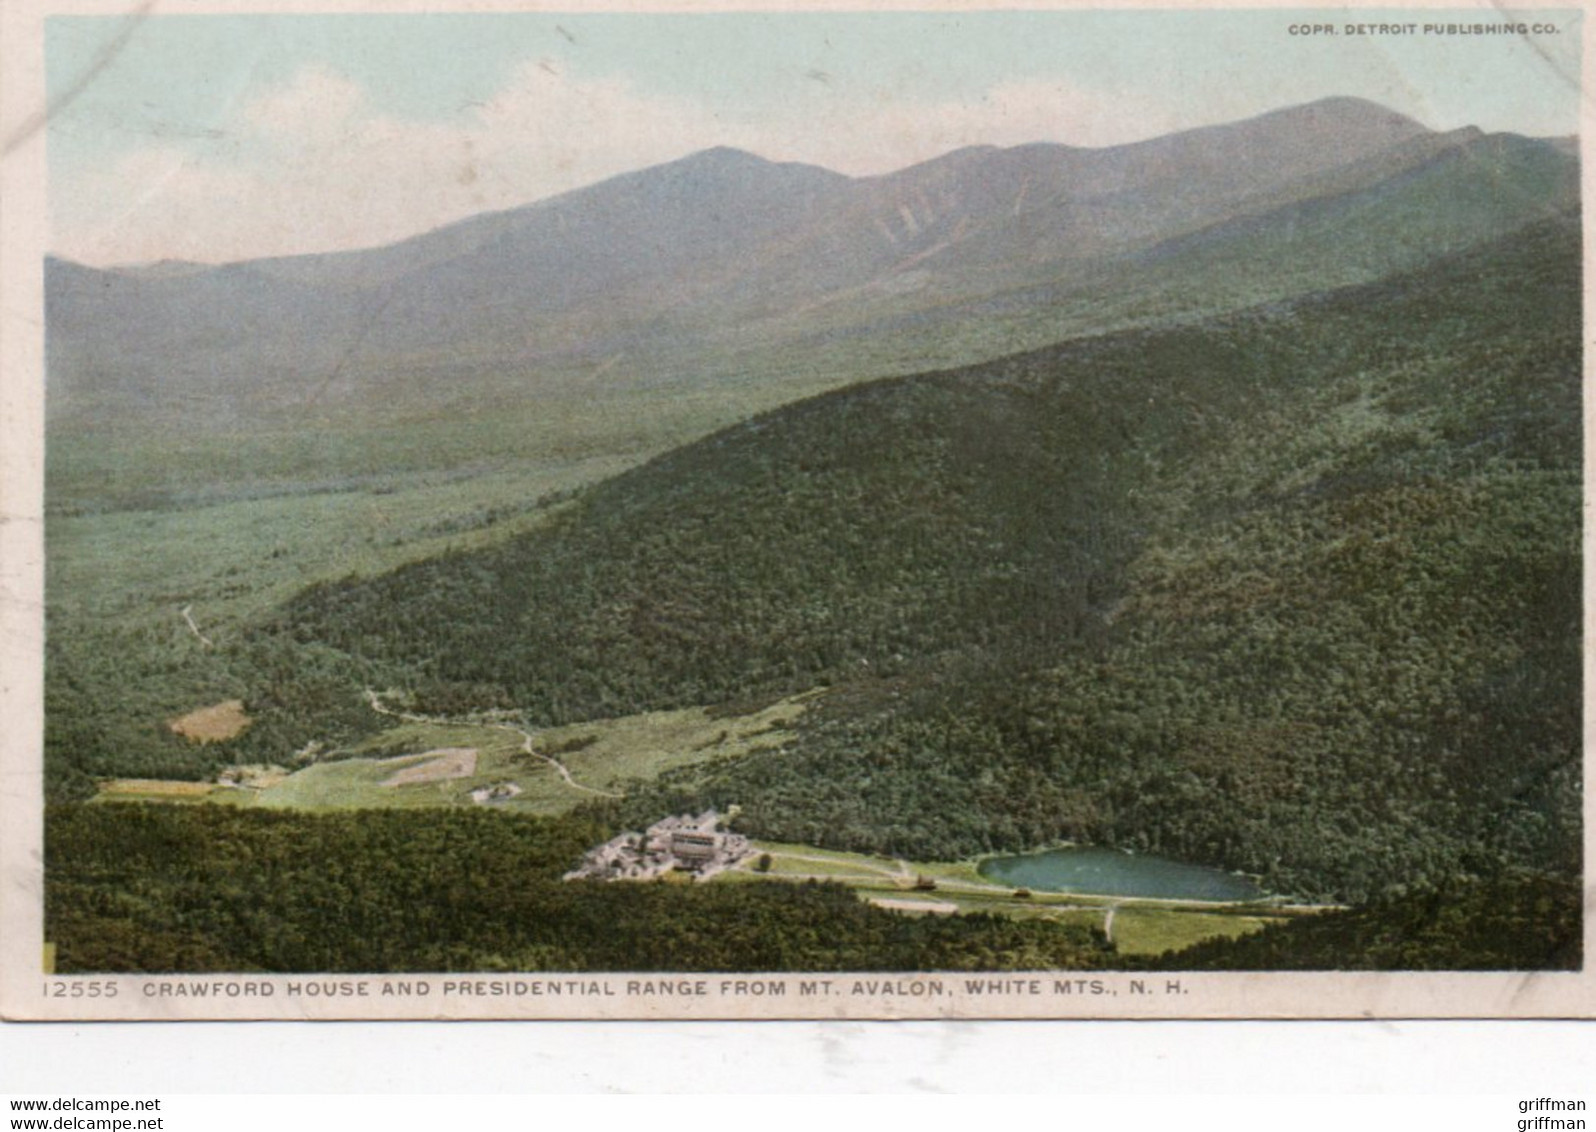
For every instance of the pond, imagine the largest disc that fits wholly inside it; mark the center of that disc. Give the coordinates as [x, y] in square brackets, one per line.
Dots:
[1110, 872]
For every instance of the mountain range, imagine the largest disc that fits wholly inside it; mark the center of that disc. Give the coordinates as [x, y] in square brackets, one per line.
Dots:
[710, 267]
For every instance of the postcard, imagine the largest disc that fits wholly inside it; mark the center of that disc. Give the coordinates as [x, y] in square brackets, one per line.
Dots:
[778, 510]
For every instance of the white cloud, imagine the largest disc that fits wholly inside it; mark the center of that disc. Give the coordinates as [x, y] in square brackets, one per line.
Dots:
[313, 165]
[547, 131]
[318, 106]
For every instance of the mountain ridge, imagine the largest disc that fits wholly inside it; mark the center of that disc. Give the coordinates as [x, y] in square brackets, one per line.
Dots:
[724, 270]
[1343, 108]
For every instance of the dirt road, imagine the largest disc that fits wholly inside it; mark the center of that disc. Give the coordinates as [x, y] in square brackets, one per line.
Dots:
[527, 739]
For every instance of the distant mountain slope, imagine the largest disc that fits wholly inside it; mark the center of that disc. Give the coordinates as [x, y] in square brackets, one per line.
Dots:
[1404, 207]
[273, 330]
[701, 265]
[976, 209]
[1294, 591]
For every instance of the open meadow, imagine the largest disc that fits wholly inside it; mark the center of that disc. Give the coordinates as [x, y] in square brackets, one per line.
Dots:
[550, 771]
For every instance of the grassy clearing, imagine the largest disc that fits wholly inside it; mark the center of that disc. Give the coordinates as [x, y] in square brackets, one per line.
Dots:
[212, 724]
[1150, 930]
[361, 784]
[610, 754]
[155, 790]
[171, 793]
[914, 906]
[794, 866]
[805, 860]
[434, 766]
[602, 755]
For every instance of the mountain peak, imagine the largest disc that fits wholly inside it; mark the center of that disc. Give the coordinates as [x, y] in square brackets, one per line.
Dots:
[723, 155]
[1347, 113]
[728, 161]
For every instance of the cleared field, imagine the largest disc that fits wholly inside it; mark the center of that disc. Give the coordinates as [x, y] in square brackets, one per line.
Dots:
[431, 767]
[170, 793]
[805, 861]
[436, 775]
[1150, 930]
[360, 784]
[611, 753]
[785, 866]
[212, 724]
[915, 907]
[155, 789]
[438, 766]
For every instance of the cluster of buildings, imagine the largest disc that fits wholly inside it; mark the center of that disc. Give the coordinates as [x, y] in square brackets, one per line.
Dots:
[685, 843]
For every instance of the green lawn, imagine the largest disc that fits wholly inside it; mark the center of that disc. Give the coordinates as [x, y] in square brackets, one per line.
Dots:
[806, 860]
[605, 756]
[1152, 930]
[613, 752]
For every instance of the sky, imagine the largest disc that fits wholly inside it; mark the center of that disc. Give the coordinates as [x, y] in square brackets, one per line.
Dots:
[216, 138]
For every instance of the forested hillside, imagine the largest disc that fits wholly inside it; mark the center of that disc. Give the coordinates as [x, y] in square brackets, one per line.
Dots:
[1516, 921]
[146, 888]
[1294, 591]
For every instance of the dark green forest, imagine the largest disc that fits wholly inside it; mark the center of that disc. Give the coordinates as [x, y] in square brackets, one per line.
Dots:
[1293, 591]
[202, 888]
[1515, 921]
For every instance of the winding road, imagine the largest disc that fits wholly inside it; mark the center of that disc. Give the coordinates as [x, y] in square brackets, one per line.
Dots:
[188, 615]
[526, 739]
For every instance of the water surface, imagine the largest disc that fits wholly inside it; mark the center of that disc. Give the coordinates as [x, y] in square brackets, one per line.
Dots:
[1110, 872]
